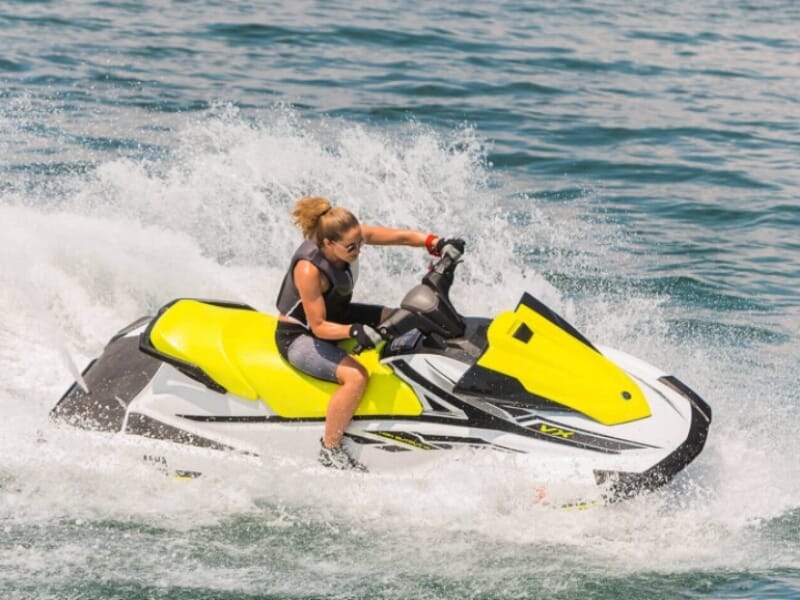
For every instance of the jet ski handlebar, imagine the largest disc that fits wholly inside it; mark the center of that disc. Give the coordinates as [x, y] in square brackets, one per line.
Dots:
[427, 306]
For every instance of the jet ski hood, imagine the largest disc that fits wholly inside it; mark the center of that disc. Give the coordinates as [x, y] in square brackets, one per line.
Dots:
[534, 357]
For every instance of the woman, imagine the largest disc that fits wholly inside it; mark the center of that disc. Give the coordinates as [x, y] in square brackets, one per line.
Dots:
[316, 311]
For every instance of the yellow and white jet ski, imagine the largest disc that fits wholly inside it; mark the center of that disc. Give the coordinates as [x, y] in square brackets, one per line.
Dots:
[207, 374]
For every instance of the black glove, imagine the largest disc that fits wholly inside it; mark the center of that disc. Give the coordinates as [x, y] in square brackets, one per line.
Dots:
[457, 243]
[365, 335]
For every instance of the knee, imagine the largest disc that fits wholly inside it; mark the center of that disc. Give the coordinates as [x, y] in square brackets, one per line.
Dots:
[353, 375]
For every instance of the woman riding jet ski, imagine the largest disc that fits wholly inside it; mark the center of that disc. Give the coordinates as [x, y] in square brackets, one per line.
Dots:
[207, 374]
[316, 311]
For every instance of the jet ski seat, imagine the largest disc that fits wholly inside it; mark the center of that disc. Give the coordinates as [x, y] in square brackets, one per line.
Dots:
[231, 348]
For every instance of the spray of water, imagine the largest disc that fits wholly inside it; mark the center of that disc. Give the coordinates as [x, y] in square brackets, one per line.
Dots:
[211, 219]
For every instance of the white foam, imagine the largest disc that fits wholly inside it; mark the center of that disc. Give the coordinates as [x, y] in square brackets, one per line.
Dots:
[211, 219]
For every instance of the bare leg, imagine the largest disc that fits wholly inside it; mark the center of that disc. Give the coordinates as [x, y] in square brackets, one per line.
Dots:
[344, 401]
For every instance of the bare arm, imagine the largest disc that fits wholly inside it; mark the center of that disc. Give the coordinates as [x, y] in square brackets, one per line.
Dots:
[383, 236]
[307, 279]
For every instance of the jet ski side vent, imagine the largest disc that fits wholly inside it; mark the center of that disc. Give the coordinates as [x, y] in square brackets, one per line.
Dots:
[523, 333]
[537, 306]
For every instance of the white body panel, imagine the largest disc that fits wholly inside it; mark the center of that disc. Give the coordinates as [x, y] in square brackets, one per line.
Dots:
[172, 396]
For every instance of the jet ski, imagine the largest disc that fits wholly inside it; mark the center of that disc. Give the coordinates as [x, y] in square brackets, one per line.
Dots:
[206, 374]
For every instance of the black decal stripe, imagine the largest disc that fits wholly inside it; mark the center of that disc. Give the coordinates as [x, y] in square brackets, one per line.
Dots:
[517, 411]
[436, 406]
[453, 439]
[481, 381]
[403, 437]
[684, 390]
[238, 419]
[431, 442]
[363, 440]
[481, 419]
[280, 419]
[139, 424]
[606, 440]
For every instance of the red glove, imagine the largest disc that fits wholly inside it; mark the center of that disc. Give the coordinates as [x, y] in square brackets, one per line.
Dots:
[430, 246]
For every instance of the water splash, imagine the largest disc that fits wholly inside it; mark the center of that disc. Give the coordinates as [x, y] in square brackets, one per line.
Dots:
[210, 218]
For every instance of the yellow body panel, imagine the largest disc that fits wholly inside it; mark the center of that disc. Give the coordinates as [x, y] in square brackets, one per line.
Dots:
[556, 365]
[236, 348]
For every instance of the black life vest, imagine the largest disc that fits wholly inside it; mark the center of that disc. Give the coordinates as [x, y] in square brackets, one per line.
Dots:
[337, 298]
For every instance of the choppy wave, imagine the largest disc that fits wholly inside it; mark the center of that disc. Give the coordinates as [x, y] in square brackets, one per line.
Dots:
[639, 179]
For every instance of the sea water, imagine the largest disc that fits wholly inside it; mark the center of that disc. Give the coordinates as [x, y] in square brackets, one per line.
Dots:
[634, 165]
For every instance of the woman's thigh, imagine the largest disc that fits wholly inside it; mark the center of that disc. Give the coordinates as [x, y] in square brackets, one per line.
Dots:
[316, 357]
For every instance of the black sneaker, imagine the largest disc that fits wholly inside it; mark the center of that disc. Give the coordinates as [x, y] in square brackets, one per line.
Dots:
[338, 458]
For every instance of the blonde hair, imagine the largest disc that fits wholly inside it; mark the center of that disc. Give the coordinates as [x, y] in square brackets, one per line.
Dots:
[319, 220]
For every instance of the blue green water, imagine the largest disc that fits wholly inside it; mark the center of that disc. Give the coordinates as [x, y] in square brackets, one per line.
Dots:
[633, 164]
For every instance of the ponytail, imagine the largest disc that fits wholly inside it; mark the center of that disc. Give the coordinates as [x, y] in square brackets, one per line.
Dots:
[319, 220]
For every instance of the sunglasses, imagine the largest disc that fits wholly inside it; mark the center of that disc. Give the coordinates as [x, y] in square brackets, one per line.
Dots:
[350, 248]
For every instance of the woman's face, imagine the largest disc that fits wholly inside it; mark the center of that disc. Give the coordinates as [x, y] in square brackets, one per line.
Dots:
[348, 247]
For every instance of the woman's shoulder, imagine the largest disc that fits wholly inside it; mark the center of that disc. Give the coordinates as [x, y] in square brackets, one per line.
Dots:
[305, 265]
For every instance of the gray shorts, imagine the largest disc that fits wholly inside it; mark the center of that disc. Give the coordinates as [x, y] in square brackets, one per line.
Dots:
[316, 357]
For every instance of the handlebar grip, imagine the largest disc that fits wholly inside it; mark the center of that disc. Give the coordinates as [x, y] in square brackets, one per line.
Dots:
[452, 252]
[358, 349]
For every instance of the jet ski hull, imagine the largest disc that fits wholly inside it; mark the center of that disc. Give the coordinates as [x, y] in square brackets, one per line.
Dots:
[135, 393]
